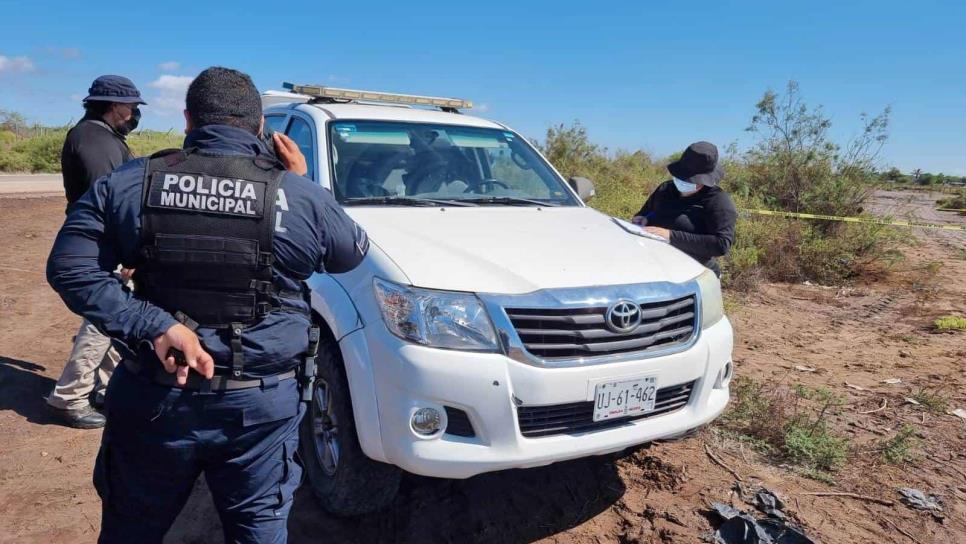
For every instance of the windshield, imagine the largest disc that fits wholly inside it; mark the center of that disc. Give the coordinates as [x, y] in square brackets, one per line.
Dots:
[391, 163]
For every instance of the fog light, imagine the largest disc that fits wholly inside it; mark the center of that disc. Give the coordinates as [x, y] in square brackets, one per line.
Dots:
[724, 376]
[426, 421]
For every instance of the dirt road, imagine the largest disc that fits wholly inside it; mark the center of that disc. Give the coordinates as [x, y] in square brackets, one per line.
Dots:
[860, 334]
[32, 185]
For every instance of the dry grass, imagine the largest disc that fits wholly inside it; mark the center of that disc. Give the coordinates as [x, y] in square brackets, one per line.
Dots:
[790, 423]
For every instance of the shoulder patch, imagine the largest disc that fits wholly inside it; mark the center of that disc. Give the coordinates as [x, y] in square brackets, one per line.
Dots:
[207, 194]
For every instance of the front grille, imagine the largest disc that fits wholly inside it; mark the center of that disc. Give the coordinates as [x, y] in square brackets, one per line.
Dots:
[578, 417]
[582, 332]
[458, 423]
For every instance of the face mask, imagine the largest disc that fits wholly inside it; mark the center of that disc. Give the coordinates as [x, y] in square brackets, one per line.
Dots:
[128, 126]
[685, 187]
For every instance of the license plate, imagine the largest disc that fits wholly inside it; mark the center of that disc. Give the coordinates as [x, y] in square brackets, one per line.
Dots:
[621, 399]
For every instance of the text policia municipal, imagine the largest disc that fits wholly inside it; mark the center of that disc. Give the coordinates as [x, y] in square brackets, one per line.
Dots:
[198, 192]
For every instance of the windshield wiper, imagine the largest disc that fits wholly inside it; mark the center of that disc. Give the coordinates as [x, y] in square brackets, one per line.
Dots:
[508, 200]
[402, 201]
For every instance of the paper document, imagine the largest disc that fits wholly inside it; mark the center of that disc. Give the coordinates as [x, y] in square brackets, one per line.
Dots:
[636, 230]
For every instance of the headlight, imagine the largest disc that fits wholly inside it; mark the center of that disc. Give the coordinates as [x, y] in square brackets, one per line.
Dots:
[712, 309]
[441, 319]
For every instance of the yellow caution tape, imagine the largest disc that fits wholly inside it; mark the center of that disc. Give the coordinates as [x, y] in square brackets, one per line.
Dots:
[897, 223]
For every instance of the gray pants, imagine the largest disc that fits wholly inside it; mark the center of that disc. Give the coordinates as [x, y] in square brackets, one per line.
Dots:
[88, 369]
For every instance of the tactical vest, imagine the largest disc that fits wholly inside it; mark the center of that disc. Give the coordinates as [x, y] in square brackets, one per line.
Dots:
[207, 226]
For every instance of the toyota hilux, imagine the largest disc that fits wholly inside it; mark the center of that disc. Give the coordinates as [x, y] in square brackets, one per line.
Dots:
[497, 321]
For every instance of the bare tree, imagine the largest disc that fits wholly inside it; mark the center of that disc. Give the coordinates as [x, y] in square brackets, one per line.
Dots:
[796, 166]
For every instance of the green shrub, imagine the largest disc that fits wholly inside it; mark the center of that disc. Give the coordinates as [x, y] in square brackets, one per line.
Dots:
[780, 249]
[934, 401]
[795, 166]
[808, 439]
[623, 180]
[815, 447]
[42, 151]
[746, 265]
[899, 448]
[794, 423]
[39, 149]
[146, 142]
[957, 201]
[13, 161]
[950, 323]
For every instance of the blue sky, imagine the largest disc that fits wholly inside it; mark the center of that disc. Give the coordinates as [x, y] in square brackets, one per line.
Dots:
[648, 75]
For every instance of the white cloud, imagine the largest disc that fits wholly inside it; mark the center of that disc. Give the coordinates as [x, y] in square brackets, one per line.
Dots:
[68, 53]
[16, 64]
[170, 66]
[481, 108]
[169, 83]
[171, 91]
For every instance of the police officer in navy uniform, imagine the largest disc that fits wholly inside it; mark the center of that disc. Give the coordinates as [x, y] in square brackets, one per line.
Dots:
[222, 238]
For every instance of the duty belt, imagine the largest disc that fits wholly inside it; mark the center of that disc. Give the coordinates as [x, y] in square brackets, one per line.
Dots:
[198, 382]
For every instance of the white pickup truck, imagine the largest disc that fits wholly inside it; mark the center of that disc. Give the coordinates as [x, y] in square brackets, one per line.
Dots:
[497, 321]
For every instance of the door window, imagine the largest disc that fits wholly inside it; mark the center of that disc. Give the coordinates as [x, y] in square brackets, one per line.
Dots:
[301, 133]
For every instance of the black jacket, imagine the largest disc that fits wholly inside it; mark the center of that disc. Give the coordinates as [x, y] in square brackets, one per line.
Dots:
[702, 225]
[91, 150]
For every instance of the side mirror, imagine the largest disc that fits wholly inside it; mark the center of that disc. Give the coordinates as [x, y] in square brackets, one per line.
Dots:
[583, 187]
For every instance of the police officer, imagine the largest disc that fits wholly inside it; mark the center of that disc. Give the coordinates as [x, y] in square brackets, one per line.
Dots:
[92, 149]
[221, 238]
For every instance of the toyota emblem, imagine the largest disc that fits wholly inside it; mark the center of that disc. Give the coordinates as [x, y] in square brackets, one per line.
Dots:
[623, 317]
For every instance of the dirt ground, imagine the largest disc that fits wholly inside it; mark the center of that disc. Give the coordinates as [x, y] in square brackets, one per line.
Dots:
[861, 334]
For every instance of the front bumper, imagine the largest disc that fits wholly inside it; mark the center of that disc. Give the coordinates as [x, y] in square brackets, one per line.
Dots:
[489, 387]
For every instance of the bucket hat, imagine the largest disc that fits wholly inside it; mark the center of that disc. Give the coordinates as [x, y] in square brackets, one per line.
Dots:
[698, 164]
[114, 89]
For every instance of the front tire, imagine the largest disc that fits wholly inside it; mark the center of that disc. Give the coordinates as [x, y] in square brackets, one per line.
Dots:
[344, 480]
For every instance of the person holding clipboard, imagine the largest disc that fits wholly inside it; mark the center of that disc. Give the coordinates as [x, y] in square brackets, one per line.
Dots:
[690, 210]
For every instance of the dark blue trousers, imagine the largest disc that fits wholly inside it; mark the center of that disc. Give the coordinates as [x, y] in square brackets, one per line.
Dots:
[158, 440]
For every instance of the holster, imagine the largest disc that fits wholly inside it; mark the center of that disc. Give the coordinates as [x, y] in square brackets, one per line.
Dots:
[308, 369]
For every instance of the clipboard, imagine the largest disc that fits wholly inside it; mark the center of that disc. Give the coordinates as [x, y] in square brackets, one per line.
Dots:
[636, 230]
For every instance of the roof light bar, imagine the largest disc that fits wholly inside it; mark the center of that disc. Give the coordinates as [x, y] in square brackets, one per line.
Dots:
[334, 93]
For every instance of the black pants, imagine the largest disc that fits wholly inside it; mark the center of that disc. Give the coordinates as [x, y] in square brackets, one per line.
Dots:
[158, 440]
[714, 266]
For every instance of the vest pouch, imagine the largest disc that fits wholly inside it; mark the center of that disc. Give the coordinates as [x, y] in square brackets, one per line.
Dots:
[201, 261]
[207, 232]
[214, 277]
[197, 249]
[214, 308]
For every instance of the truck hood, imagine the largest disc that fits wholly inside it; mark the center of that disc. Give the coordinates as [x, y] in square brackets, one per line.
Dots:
[514, 250]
